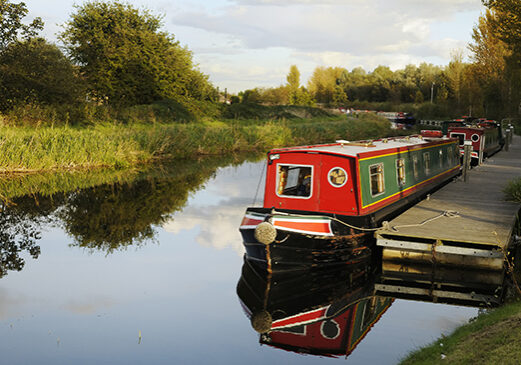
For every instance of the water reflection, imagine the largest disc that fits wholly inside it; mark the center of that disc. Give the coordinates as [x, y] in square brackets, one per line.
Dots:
[328, 311]
[324, 311]
[450, 285]
[112, 210]
[19, 233]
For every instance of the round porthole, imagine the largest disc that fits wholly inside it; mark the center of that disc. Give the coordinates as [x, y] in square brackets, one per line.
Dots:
[337, 177]
[474, 138]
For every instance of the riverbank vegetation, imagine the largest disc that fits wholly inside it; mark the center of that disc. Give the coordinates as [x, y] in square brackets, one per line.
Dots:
[30, 149]
[491, 338]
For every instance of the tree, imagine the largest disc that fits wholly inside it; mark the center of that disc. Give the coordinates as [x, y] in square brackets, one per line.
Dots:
[128, 60]
[293, 84]
[35, 71]
[490, 55]
[11, 26]
[507, 20]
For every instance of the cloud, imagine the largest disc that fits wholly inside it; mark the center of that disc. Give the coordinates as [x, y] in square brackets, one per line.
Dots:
[363, 27]
[218, 226]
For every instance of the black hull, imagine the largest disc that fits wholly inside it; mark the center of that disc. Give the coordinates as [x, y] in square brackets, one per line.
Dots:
[284, 294]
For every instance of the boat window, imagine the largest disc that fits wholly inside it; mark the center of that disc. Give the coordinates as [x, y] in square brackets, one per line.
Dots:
[294, 180]
[459, 136]
[441, 159]
[400, 171]
[337, 177]
[376, 173]
[427, 162]
[415, 166]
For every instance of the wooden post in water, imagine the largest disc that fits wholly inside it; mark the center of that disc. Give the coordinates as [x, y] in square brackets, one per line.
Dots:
[467, 149]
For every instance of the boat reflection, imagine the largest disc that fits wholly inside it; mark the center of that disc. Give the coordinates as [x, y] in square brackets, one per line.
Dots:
[323, 311]
[475, 288]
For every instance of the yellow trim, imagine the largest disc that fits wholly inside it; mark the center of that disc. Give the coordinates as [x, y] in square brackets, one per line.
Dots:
[401, 152]
[410, 187]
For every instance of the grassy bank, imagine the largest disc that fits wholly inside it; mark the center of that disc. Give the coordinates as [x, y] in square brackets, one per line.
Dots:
[27, 149]
[492, 338]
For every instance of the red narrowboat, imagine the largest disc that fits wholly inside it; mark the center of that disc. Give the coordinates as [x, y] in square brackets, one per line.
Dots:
[321, 202]
[485, 137]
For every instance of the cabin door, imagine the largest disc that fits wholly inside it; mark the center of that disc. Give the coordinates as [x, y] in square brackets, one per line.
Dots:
[337, 185]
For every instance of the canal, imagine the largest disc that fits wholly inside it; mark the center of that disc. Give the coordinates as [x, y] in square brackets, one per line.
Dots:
[142, 267]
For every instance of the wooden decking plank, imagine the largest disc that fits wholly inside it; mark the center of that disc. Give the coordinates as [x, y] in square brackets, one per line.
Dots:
[484, 217]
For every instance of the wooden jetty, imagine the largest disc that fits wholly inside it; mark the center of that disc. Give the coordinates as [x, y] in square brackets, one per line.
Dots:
[468, 224]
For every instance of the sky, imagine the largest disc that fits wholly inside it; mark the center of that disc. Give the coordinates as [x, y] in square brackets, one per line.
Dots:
[243, 44]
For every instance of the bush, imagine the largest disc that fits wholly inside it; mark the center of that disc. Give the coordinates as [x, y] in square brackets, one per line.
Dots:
[513, 190]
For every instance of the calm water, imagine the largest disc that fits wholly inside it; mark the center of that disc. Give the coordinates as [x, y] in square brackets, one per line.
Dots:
[144, 271]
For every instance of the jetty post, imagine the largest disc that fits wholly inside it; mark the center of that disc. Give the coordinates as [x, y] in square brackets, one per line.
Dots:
[467, 149]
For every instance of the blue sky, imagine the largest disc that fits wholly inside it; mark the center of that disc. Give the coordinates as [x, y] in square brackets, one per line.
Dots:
[243, 44]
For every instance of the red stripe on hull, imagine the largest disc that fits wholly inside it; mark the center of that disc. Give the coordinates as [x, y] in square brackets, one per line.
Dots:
[322, 228]
[300, 319]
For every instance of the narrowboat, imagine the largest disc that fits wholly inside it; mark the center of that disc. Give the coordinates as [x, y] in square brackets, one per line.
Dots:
[486, 138]
[323, 202]
[324, 312]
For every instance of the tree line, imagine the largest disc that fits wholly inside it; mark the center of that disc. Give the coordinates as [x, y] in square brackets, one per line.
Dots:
[489, 85]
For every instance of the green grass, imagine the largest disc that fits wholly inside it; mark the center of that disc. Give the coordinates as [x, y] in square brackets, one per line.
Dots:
[491, 338]
[513, 190]
[32, 149]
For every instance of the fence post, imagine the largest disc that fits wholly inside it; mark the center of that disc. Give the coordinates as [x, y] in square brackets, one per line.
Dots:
[467, 150]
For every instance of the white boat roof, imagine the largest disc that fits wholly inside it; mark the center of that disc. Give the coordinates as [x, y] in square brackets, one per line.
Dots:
[354, 148]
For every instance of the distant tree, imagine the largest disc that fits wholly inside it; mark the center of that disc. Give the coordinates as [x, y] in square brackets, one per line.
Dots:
[11, 26]
[35, 71]
[323, 83]
[276, 96]
[251, 96]
[455, 73]
[126, 58]
[293, 85]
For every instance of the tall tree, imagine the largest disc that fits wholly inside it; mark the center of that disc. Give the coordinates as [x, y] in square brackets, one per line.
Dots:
[127, 59]
[293, 84]
[11, 25]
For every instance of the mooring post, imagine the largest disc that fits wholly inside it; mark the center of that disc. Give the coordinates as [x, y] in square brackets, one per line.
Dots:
[467, 149]
[507, 139]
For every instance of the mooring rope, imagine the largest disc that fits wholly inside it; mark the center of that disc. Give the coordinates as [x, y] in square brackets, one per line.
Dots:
[447, 213]
[385, 224]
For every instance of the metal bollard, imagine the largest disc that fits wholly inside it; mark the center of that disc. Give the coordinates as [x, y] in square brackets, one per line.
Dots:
[467, 150]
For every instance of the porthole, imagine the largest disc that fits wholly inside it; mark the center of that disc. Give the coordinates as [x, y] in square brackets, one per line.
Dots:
[474, 138]
[337, 177]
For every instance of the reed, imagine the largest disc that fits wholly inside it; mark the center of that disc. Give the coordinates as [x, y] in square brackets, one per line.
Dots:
[33, 149]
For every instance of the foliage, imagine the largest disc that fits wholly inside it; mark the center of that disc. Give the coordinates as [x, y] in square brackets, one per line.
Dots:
[36, 72]
[513, 190]
[11, 26]
[128, 60]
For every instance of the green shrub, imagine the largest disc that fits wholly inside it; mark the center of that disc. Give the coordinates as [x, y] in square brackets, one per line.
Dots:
[513, 190]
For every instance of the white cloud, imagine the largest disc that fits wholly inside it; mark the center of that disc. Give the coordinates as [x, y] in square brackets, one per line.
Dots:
[218, 226]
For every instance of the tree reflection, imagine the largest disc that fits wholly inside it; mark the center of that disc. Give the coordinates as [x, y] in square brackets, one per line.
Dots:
[109, 216]
[19, 234]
